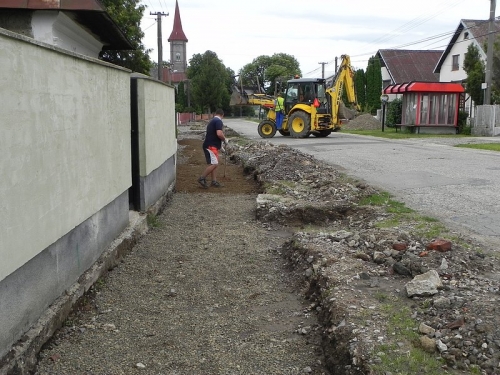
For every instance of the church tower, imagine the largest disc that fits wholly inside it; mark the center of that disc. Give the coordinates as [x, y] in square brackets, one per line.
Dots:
[178, 40]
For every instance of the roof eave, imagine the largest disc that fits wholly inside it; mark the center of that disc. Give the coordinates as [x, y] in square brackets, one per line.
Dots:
[452, 41]
[91, 14]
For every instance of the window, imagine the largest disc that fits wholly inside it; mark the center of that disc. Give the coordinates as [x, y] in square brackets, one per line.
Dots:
[177, 56]
[410, 108]
[424, 109]
[443, 109]
[466, 35]
[451, 109]
[292, 93]
[433, 108]
[455, 62]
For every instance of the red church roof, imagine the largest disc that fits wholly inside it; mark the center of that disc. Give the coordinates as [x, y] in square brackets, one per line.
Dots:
[177, 32]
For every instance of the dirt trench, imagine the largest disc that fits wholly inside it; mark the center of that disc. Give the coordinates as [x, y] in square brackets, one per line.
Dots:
[206, 291]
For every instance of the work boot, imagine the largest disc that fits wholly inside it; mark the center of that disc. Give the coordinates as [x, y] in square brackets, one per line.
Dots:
[203, 182]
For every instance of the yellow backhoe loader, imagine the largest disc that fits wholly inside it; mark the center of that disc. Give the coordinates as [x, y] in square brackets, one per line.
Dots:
[311, 106]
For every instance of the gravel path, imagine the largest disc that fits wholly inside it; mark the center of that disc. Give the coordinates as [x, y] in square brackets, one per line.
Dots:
[204, 292]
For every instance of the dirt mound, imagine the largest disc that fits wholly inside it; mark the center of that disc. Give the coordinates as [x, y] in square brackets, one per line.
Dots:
[363, 122]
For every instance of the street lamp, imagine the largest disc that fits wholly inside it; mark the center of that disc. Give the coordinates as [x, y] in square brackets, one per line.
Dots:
[384, 99]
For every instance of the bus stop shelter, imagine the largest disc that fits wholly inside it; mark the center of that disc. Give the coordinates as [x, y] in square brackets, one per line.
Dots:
[430, 105]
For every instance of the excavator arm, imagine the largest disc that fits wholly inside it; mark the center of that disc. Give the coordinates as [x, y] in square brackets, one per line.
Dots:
[241, 98]
[343, 80]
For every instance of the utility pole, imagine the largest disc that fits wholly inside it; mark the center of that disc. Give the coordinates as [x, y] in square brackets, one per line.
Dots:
[336, 64]
[489, 53]
[322, 69]
[160, 43]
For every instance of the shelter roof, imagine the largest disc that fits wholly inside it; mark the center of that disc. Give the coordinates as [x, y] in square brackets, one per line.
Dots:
[441, 87]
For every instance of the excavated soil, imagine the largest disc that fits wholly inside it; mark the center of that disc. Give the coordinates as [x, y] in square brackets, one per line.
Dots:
[304, 279]
[204, 292]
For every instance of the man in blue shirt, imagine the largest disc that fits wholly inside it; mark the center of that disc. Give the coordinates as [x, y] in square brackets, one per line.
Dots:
[211, 146]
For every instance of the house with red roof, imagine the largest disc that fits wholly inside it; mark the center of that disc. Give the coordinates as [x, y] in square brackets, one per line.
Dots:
[450, 65]
[399, 66]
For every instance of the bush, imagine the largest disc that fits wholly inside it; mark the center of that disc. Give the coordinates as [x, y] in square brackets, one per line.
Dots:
[463, 128]
[394, 112]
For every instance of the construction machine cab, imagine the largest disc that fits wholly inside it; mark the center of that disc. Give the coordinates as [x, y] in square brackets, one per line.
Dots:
[304, 91]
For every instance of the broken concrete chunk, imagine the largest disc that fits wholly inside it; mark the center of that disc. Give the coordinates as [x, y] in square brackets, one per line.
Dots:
[424, 285]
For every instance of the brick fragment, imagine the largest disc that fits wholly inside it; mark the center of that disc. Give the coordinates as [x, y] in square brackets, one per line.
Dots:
[439, 245]
[399, 246]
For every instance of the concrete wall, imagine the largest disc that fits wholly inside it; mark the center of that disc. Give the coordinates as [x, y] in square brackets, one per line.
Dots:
[157, 138]
[487, 121]
[65, 123]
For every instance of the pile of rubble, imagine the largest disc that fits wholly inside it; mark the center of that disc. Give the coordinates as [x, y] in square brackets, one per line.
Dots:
[363, 122]
[359, 273]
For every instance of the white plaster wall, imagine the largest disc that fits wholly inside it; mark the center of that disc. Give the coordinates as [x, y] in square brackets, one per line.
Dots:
[459, 48]
[59, 30]
[448, 75]
[386, 77]
[65, 124]
[156, 109]
[385, 74]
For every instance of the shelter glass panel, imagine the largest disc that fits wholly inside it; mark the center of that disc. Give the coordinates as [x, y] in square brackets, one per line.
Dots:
[424, 109]
[452, 100]
[433, 108]
[410, 109]
[443, 108]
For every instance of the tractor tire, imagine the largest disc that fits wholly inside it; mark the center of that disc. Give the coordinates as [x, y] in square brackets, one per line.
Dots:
[267, 129]
[299, 125]
[322, 133]
[284, 133]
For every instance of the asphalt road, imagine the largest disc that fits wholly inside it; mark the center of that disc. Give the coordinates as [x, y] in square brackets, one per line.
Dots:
[459, 186]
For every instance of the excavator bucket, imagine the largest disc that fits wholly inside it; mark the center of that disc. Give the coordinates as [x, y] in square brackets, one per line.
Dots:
[249, 97]
[237, 98]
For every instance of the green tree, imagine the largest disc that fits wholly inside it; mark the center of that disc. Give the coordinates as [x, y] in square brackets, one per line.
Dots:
[265, 71]
[209, 82]
[154, 68]
[495, 88]
[127, 14]
[373, 84]
[229, 82]
[474, 67]
[180, 97]
[360, 87]
[394, 112]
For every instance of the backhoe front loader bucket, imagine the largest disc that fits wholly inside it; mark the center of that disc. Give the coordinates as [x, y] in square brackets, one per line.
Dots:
[237, 98]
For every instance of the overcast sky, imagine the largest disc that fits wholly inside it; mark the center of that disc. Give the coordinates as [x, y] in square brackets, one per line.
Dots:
[313, 31]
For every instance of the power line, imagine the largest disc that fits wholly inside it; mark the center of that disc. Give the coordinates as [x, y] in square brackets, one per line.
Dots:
[166, 8]
[150, 26]
[415, 22]
[441, 37]
[408, 26]
[159, 15]
[152, 7]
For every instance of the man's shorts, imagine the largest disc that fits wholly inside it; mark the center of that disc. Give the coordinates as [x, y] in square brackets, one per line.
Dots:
[211, 155]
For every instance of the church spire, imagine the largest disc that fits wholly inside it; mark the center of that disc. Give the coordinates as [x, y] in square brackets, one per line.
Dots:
[177, 32]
